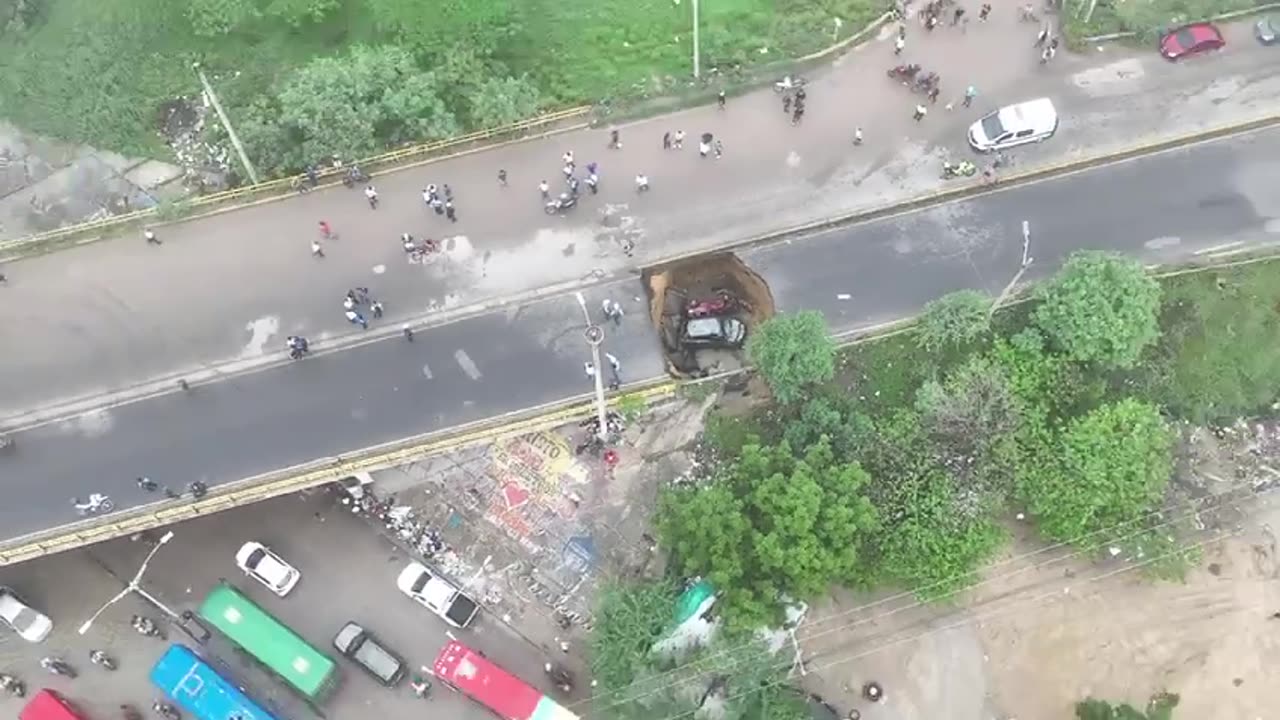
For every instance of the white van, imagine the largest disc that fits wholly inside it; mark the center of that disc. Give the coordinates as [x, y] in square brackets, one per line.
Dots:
[1013, 125]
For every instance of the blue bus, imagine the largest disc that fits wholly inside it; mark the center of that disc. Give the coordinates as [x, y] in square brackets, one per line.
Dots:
[201, 691]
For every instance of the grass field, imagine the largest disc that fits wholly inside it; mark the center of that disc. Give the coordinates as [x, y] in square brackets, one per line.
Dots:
[97, 71]
[1147, 18]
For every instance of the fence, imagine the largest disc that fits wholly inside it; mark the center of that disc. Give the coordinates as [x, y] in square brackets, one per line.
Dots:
[282, 186]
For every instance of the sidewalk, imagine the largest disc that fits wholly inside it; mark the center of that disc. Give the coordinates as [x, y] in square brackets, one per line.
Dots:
[221, 293]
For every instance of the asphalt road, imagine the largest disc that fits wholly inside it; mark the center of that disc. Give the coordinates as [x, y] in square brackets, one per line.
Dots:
[321, 406]
[1162, 208]
[348, 573]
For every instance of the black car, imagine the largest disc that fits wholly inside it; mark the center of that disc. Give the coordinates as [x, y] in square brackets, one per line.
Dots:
[713, 332]
[366, 651]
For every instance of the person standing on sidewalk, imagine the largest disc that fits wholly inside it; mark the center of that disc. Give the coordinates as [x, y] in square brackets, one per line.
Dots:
[798, 113]
[316, 250]
[666, 140]
[934, 92]
[984, 11]
[615, 141]
[678, 140]
[642, 183]
[920, 112]
[502, 177]
[450, 212]
[545, 189]
[615, 381]
[150, 237]
[371, 194]
[970, 93]
[721, 100]
[857, 136]
[955, 19]
[900, 43]
[612, 311]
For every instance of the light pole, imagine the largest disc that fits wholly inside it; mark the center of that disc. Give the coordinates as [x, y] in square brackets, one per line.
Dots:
[1026, 263]
[595, 335]
[697, 45]
[226, 124]
[133, 587]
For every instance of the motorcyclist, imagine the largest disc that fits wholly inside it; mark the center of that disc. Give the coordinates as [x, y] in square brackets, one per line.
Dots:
[100, 657]
[57, 666]
[421, 686]
[164, 709]
[144, 625]
[12, 685]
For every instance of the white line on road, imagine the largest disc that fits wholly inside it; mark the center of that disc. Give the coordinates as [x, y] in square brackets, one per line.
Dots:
[1219, 248]
[1229, 253]
[426, 370]
[468, 366]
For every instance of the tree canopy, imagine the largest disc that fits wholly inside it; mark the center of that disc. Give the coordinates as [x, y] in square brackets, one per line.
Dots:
[954, 320]
[1100, 308]
[793, 351]
[771, 526]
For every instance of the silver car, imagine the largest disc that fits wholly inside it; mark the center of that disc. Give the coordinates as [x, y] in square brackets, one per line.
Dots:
[1267, 30]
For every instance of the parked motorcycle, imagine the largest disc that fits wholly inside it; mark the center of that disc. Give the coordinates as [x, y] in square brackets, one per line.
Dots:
[165, 710]
[12, 685]
[964, 168]
[904, 73]
[354, 176]
[99, 657]
[566, 201]
[58, 666]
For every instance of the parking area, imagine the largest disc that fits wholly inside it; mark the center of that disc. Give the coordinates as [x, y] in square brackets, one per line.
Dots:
[348, 572]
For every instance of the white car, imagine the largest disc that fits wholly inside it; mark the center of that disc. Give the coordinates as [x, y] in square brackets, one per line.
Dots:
[33, 625]
[437, 595]
[259, 563]
[1014, 125]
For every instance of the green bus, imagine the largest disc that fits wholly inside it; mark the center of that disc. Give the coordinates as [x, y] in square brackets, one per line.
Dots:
[270, 641]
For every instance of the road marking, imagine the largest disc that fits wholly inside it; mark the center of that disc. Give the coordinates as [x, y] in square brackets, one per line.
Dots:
[468, 366]
[1219, 248]
[1229, 253]
[426, 370]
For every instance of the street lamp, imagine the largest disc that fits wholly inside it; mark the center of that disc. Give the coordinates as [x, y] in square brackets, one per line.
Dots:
[134, 586]
[595, 335]
[1022, 269]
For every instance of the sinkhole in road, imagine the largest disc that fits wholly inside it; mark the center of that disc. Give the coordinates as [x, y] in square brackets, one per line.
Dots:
[719, 286]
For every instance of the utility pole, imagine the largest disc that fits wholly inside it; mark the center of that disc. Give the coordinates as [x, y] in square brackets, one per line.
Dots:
[226, 124]
[697, 47]
[595, 335]
[1026, 263]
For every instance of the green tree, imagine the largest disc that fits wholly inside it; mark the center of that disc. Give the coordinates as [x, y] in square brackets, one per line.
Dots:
[972, 409]
[354, 105]
[434, 25]
[1111, 467]
[1160, 707]
[831, 416]
[629, 619]
[793, 351]
[211, 18]
[503, 101]
[770, 526]
[1100, 308]
[954, 320]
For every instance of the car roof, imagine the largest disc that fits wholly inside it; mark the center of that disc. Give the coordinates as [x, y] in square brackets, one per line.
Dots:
[269, 564]
[1038, 113]
[1198, 30]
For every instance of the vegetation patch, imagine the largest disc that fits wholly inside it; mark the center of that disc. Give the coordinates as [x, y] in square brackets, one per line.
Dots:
[1146, 18]
[309, 78]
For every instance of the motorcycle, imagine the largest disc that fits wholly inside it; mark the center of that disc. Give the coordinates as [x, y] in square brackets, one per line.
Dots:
[566, 201]
[98, 657]
[964, 168]
[904, 73]
[421, 687]
[925, 83]
[721, 303]
[58, 666]
[7, 444]
[130, 712]
[97, 503]
[146, 627]
[165, 710]
[354, 176]
[297, 346]
[12, 685]
[561, 677]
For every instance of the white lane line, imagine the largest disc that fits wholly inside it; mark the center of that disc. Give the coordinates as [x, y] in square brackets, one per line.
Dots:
[467, 364]
[1219, 248]
[1229, 253]
[426, 370]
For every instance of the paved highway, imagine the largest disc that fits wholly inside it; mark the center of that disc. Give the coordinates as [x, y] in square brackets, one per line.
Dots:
[1163, 208]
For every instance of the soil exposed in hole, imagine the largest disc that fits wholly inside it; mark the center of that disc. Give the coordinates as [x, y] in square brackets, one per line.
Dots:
[671, 289]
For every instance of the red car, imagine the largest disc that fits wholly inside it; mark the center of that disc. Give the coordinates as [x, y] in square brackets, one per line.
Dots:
[1190, 40]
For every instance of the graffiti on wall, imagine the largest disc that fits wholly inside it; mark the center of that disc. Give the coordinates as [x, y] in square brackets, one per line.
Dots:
[535, 477]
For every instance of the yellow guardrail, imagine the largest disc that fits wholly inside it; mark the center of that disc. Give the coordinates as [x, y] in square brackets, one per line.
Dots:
[285, 185]
[320, 472]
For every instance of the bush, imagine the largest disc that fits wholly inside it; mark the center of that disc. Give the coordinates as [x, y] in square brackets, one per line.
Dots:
[503, 101]
[954, 320]
[1100, 308]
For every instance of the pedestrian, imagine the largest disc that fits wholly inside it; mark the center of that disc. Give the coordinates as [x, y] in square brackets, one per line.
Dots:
[502, 177]
[612, 311]
[3, 278]
[955, 19]
[718, 148]
[677, 141]
[375, 307]
[407, 332]
[427, 197]
[198, 489]
[362, 294]
[545, 189]
[704, 147]
[666, 140]
[920, 112]
[970, 93]
[1042, 36]
[1053, 46]
[450, 212]
[797, 114]
[355, 318]
[593, 182]
[899, 44]
[615, 380]
[589, 369]
[326, 232]
[931, 23]
[572, 182]
[984, 11]
[148, 484]
[720, 100]
[642, 183]
[857, 136]
[316, 250]
[349, 302]
[786, 103]
[371, 194]
[567, 157]
[151, 238]
[933, 94]
[568, 171]
[1046, 54]
[448, 192]
[615, 142]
